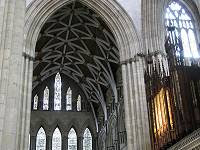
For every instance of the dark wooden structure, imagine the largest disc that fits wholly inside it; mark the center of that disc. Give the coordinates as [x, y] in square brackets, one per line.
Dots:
[174, 97]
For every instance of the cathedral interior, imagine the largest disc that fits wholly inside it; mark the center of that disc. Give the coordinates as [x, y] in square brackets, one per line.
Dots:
[99, 75]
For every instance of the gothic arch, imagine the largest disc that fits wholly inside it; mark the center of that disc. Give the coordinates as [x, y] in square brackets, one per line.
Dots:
[120, 24]
[191, 8]
[117, 20]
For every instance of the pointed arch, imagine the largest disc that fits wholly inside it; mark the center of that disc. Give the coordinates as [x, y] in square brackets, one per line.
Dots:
[46, 99]
[35, 102]
[79, 103]
[180, 18]
[69, 99]
[41, 139]
[87, 140]
[56, 140]
[72, 139]
[57, 92]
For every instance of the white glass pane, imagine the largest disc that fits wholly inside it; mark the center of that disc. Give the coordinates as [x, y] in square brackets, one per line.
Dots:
[87, 140]
[35, 102]
[186, 46]
[57, 92]
[56, 140]
[69, 99]
[79, 103]
[46, 99]
[41, 140]
[175, 6]
[193, 44]
[72, 140]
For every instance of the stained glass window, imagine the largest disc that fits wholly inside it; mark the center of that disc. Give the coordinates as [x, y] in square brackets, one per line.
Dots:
[69, 99]
[35, 102]
[56, 140]
[57, 92]
[178, 17]
[41, 140]
[72, 140]
[87, 140]
[79, 103]
[46, 99]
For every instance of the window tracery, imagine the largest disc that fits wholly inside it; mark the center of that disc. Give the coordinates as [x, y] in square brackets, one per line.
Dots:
[35, 102]
[69, 99]
[72, 140]
[79, 103]
[87, 140]
[56, 140]
[178, 18]
[57, 92]
[46, 99]
[41, 140]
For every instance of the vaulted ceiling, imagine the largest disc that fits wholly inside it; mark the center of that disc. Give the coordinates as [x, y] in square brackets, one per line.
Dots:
[76, 42]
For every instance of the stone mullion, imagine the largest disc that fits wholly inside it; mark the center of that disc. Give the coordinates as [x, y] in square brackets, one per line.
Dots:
[80, 143]
[64, 143]
[11, 41]
[49, 142]
[33, 143]
[128, 119]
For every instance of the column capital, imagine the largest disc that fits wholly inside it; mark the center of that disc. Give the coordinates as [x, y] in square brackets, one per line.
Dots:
[31, 58]
[135, 58]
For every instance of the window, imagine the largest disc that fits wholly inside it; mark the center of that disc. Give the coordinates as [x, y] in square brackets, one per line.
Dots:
[87, 140]
[46, 99]
[57, 92]
[56, 140]
[35, 102]
[41, 140]
[79, 103]
[178, 17]
[69, 99]
[72, 140]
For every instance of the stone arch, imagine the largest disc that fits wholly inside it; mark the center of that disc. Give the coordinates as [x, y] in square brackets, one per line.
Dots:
[120, 24]
[117, 20]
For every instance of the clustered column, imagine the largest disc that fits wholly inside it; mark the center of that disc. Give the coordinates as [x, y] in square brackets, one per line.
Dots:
[12, 14]
[137, 124]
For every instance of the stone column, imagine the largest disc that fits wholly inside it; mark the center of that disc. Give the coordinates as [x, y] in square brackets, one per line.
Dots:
[49, 142]
[33, 143]
[64, 143]
[94, 143]
[136, 115]
[12, 14]
[80, 143]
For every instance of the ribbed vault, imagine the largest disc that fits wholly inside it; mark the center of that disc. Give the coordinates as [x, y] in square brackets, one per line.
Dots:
[76, 42]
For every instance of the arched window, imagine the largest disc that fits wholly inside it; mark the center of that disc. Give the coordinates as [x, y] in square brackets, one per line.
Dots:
[79, 103]
[69, 99]
[87, 140]
[72, 140]
[35, 102]
[41, 140]
[46, 99]
[178, 17]
[56, 140]
[57, 92]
